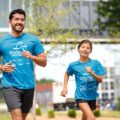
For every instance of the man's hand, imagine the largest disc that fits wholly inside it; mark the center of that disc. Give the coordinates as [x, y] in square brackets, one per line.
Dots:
[7, 68]
[27, 54]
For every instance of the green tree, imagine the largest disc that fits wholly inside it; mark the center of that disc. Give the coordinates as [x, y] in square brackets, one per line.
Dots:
[44, 80]
[118, 104]
[46, 18]
[109, 16]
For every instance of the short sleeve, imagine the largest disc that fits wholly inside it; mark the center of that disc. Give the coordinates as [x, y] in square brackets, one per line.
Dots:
[38, 47]
[70, 70]
[100, 69]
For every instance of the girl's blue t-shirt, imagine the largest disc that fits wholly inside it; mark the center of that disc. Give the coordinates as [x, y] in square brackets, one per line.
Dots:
[11, 49]
[86, 84]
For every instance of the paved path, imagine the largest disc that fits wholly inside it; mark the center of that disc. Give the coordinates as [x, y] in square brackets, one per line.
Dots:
[63, 117]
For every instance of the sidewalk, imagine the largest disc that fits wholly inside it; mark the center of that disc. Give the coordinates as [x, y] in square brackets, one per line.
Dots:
[44, 117]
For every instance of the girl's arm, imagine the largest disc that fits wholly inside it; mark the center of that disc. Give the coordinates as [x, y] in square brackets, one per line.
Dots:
[97, 77]
[65, 90]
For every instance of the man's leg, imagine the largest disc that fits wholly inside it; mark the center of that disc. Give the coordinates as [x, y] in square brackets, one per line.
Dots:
[13, 98]
[27, 102]
[24, 115]
[16, 114]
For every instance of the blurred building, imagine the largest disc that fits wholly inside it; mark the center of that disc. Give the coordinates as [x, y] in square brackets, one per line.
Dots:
[80, 19]
[44, 94]
[5, 7]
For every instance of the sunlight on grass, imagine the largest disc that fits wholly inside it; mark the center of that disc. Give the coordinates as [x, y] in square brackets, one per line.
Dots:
[105, 113]
[108, 113]
[5, 116]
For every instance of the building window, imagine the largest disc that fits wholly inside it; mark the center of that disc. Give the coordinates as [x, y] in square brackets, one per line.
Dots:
[105, 86]
[112, 85]
[105, 96]
[111, 72]
[112, 96]
[4, 13]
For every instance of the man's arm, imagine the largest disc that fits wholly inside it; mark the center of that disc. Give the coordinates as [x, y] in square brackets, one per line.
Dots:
[40, 59]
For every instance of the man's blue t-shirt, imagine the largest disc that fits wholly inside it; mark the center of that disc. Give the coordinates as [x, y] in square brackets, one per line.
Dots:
[86, 84]
[11, 49]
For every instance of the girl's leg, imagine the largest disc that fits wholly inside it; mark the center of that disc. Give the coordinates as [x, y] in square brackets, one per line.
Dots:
[87, 112]
[83, 117]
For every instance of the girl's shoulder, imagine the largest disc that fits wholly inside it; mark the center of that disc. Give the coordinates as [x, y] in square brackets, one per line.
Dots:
[74, 63]
[94, 60]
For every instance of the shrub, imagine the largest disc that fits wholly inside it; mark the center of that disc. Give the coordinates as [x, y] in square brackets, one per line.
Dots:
[118, 104]
[96, 113]
[72, 113]
[51, 114]
[38, 111]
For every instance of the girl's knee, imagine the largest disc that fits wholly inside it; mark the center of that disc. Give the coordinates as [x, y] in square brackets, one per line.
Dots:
[91, 118]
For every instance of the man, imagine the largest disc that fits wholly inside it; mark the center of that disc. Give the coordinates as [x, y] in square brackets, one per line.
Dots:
[19, 50]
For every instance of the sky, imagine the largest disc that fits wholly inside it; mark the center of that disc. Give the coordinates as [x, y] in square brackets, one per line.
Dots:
[55, 70]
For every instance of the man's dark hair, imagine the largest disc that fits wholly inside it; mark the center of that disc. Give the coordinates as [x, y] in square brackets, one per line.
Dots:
[19, 11]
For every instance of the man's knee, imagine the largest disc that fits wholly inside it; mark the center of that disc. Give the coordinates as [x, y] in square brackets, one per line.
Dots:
[16, 114]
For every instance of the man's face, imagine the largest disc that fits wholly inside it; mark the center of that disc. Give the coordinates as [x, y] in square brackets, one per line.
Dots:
[17, 23]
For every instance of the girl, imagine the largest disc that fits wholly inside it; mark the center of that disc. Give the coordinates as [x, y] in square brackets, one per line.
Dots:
[88, 74]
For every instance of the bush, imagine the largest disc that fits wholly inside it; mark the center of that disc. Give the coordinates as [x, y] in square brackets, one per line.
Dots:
[51, 114]
[38, 111]
[72, 113]
[118, 104]
[96, 113]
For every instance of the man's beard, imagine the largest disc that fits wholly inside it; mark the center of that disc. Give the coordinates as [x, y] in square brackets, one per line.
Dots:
[17, 30]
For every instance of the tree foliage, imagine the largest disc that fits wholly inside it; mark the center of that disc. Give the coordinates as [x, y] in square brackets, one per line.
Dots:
[118, 103]
[46, 20]
[44, 80]
[109, 16]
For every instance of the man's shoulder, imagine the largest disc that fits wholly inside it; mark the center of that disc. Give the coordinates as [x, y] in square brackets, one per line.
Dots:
[30, 35]
[5, 37]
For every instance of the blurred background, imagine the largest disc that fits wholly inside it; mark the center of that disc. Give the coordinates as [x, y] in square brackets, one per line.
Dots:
[60, 25]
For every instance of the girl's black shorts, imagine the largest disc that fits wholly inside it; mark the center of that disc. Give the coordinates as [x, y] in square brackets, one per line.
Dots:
[91, 103]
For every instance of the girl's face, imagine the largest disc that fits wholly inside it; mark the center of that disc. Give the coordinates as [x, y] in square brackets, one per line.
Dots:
[84, 50]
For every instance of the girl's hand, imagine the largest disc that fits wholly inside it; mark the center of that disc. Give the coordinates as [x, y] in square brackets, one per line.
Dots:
[64, 92]
[88, 69]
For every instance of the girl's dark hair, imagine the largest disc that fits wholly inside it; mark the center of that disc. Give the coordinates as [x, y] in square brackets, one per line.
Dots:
[85, 41]
[19, 11]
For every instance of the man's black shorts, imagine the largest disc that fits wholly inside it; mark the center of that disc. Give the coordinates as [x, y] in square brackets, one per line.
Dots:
[91, 103]
[18, 99]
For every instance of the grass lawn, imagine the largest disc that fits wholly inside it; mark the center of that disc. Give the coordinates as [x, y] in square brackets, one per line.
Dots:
[5, 116]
